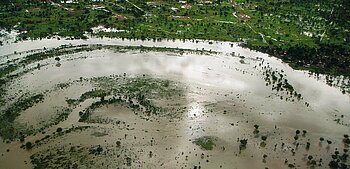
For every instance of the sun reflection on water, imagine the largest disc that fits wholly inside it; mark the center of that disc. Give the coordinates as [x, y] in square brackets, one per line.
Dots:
[196, 110]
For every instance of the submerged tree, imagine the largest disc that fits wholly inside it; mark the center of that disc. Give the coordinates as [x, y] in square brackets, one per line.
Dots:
[243, 144]
[29, 145]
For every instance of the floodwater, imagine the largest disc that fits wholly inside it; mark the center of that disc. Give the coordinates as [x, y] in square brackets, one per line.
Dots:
[225, 96]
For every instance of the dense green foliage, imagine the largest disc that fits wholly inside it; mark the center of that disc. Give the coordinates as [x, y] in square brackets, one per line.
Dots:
[314, 34]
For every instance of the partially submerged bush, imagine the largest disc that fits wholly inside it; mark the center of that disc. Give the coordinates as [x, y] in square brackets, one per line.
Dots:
[29, 145]
[205, 142]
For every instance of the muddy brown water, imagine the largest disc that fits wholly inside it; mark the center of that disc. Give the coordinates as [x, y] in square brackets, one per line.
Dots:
[224, 99]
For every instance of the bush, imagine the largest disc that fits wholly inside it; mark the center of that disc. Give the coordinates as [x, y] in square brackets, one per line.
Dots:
[29, 145]
[243, 142]
[59, 130]
[57, 59]
[205, 142]
[256, 127]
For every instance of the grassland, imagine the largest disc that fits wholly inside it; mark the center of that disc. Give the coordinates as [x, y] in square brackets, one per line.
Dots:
[312, 35]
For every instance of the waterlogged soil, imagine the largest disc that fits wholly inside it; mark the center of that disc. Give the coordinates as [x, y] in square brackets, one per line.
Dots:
[156, 104]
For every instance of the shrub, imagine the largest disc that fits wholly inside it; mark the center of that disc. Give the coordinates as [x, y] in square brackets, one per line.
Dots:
[29, 145]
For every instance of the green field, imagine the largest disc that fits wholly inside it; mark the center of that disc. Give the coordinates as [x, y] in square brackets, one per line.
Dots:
[313, 35]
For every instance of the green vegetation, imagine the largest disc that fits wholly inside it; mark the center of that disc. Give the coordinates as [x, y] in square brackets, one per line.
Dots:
[279, 83]
[243, 144]
[156, 49]
[58, 130]
[61, 115]
[65, 156]
[92, 94]
[29, 145]
[85, 117]
[10, 112]
[63, 50]
[56, 135]
[136, 93]
[96, 150]
[141, 87]
[205, 142]
[8, 130]
[5, 71]
[312, 34]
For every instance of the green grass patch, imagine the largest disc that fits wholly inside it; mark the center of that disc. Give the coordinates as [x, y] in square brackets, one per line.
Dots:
[205, 142]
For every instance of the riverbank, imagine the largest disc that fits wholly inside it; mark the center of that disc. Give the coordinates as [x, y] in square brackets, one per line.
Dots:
[310, 35]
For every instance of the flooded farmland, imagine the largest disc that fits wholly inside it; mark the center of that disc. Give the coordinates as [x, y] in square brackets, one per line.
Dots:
[109, 103]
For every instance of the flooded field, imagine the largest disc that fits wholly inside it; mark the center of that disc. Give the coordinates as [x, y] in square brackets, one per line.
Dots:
[108, 103]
